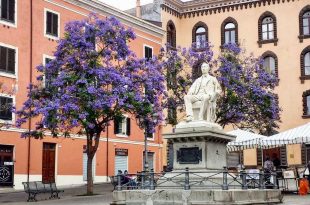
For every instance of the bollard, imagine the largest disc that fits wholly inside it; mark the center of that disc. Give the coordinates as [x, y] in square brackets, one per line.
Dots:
[152, 186]
[243, 177]
[119, 182]
[225, 184]
[261, 180]
[186, 182]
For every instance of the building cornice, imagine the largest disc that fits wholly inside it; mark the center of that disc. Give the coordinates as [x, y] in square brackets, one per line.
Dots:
[84, 137]
[127, 19]
[206, 7]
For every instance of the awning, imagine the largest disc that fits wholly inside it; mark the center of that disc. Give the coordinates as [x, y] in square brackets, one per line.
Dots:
[297, 135]
[244, 140]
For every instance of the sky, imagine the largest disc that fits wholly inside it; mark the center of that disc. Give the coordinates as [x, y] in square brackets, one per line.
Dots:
[126, 4]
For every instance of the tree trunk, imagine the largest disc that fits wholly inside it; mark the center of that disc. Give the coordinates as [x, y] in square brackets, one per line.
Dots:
[91, 151]
[90, 182]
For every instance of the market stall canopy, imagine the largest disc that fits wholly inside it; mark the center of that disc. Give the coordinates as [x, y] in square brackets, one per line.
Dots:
[297, 135]
[244, 140]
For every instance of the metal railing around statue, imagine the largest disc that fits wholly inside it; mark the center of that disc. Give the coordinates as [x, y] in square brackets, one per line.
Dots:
[187, 180]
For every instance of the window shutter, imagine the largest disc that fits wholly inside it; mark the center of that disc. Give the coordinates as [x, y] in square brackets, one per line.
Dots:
[11, 11]
[4, 9]
[55, 24]
[303, 154]
[3, 58]
[259, 157]
[128, 126]
[11, 60]
[145, 52]
[116, 125]
[48, 22]
[283, 158]
[9, 102]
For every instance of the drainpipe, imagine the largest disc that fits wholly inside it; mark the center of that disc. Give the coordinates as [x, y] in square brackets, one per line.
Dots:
[30, 80]
[138, 9]
[107, 161]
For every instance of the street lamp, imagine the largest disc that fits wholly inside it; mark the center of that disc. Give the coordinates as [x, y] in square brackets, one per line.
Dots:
[143, 123]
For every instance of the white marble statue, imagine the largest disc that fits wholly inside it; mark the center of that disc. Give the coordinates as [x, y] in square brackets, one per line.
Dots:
[205, 89]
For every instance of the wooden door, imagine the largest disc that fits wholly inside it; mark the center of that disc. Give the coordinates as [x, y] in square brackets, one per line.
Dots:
[48, 162]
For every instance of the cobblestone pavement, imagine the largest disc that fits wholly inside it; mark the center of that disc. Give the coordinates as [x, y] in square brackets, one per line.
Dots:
[72, 196]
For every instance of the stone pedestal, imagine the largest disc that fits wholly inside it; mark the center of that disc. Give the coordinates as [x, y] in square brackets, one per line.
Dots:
[199, 145]
[196, 197]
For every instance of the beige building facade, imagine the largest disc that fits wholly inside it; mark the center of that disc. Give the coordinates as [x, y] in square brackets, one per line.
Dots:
[276, 30]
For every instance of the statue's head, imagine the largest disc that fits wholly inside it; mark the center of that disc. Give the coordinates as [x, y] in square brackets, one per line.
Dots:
[205, 68]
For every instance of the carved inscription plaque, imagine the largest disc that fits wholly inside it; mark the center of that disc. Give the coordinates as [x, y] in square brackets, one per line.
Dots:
[189, 155]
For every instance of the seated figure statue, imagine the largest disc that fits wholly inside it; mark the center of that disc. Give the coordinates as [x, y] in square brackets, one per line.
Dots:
[205, 89]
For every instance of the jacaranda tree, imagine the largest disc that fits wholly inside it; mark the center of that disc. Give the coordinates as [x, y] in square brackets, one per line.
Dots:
[94, 78]
[248, 99]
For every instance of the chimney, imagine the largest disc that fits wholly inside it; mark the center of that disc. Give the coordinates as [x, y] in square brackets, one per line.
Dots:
[138, 9]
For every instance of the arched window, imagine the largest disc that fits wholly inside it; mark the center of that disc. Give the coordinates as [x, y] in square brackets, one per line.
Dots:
[270, 63]
[304, 23]
[305, 63]
[229, 31]
[200, 34]
[201, 37]
[171, 34]
[267, 29]
[306, 104]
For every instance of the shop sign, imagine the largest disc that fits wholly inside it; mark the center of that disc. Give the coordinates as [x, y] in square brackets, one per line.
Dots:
[121, 152]
[6, 150]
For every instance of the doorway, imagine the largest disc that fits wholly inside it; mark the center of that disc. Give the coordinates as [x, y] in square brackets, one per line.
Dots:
[6, 165]
[48, 162]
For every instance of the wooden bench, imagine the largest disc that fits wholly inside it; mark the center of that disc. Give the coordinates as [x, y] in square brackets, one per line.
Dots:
[38, 187]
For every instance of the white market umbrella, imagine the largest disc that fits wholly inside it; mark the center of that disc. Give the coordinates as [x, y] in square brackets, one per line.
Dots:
[297, 135]
[244, 140]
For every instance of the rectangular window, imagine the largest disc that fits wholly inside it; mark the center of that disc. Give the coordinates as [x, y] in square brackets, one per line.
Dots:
[6, 104]
[122, 126]
[7, 60]
[52, 23]
[148, 52]
[8, 10]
